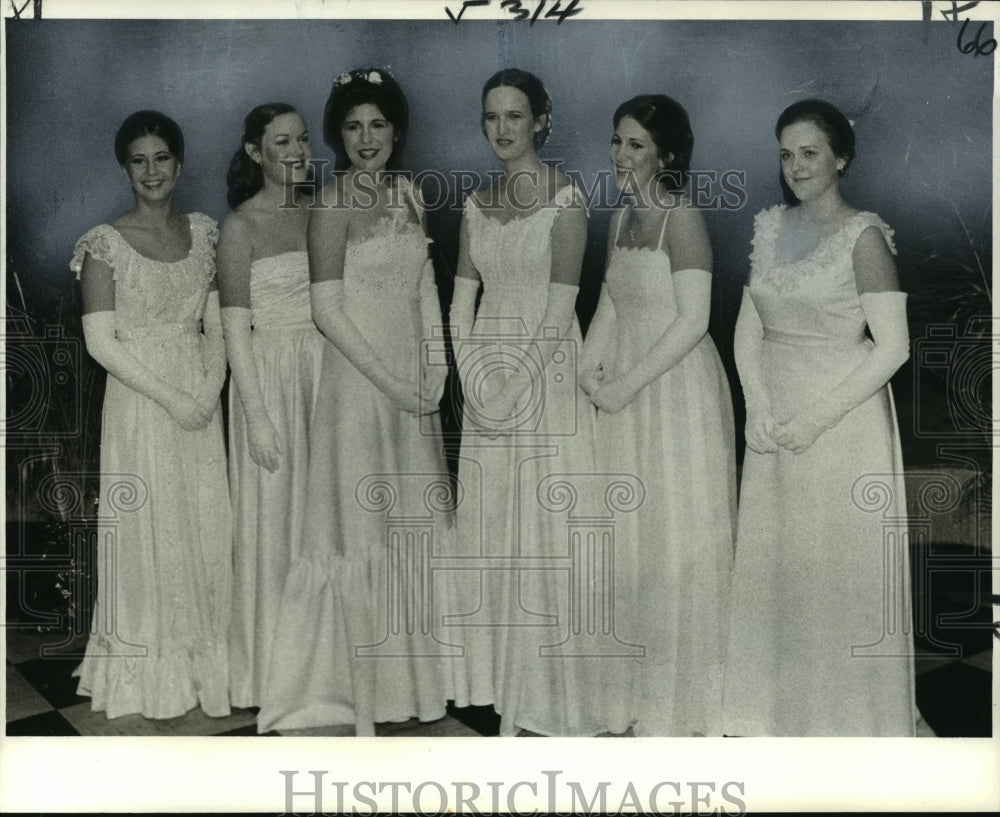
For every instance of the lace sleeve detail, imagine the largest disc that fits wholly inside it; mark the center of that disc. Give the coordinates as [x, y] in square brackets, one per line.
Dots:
[866, 220]
[471, 210]
[570, 196]
[408, 191]
[205, 237]
[99, 242]
[765, 228]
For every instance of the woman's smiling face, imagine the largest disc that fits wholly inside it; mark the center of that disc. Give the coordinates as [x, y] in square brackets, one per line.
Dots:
[808, 163]
[369, 138]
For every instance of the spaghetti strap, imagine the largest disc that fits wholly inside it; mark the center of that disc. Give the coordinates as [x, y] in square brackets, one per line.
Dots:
[618, 229]
[663, 230]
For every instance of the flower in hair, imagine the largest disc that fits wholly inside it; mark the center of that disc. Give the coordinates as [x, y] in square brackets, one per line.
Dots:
[343, 79]
[374, 77]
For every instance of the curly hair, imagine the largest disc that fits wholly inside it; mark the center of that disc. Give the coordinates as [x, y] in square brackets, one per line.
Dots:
[365, 86]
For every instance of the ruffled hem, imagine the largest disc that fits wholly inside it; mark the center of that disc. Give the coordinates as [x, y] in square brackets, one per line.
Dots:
[329, 667]
[165, 685]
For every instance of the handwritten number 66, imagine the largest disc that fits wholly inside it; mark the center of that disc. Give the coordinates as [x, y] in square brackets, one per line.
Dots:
[975, 46]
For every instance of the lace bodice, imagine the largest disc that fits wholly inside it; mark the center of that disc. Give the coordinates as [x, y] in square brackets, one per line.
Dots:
[382, 274]
[813, 300]
[514, 258]
[154, 297]
[383, 260]
[279, 291]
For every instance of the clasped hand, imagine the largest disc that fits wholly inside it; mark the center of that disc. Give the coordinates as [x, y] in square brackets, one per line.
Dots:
[265, 444]
[411, 397]
[492, 419]
[613, 396]
[189, 413]
[765, 436]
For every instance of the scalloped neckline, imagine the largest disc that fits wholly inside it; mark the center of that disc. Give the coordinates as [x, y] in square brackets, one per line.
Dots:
[550, 206]
[145, 257]
[809, 255]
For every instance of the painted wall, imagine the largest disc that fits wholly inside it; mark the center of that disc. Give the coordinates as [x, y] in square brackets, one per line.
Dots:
[922, 112]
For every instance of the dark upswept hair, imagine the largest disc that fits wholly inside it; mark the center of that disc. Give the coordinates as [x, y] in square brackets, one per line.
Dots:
[539, 98]
[355, 88]
[148, 123]
[245, 176]
[835, 126]
[668, 124]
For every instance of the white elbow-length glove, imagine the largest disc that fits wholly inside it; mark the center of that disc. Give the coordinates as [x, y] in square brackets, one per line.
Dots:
[886, 316]
[104, 346]
[264, 442]
[327, 298]
[748, 342]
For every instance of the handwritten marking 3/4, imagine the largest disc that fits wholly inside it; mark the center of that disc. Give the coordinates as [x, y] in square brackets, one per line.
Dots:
[517, 9]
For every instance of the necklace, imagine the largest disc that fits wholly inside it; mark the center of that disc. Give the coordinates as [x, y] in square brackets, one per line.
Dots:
[632, 229]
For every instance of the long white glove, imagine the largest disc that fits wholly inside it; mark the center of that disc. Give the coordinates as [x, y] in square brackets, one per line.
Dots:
[886, 316]
[327, 298]
[432, 378]
[597, 346]
[693, 288]
[559, 313]
[461, 319]
[104, 346]
[748, 342]
[215, 354]
[265, 444]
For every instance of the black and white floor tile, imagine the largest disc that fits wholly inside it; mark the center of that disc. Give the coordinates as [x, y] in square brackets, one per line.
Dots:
[953, 693]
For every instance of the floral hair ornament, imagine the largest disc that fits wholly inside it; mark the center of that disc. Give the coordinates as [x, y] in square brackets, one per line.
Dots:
[374, 77]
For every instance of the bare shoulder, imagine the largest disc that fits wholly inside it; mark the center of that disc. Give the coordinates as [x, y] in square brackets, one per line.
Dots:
[682, 213]
[335, 210]
[238, 224]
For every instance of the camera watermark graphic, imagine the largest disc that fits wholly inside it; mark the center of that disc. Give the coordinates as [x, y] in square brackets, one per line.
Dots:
[312, 792]
[500, 358]
[965, 362]
[46, 371]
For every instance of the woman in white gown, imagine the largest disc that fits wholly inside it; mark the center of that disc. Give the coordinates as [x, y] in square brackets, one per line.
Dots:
[275, 351]
[820, 642]
[665, 415]
[158, 645]
[358, 640]
[527, 436]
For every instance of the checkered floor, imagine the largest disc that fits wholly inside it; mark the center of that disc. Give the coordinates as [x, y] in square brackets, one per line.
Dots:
[953, 694]
[42, 701]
